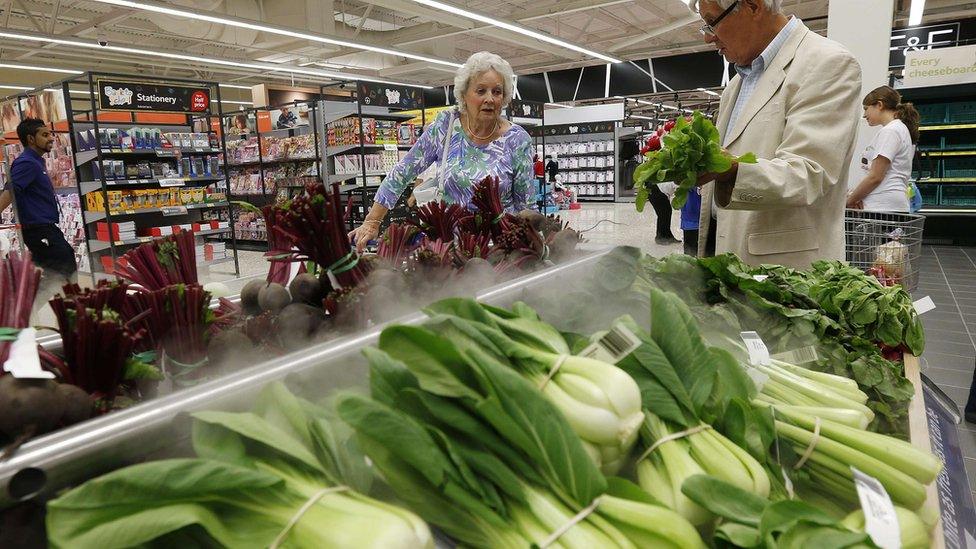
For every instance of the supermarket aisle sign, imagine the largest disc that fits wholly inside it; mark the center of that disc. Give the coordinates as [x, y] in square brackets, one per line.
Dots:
[940, 67]
[924, 38]
[117, 95]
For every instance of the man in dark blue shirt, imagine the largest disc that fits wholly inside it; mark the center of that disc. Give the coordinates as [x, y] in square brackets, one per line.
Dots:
[37, 207]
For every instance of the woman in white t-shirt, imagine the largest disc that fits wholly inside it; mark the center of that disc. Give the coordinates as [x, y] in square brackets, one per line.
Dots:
[887, 161]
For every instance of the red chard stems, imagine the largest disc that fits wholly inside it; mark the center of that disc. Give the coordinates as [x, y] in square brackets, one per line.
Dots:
[439, 220]
[397, 243]
[161, 263]
[19, 280]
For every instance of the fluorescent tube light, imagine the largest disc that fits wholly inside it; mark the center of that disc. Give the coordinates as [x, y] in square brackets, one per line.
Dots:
[205, 60]
[560, 105]
[235, 86]
[709, 92]
[23, 88]
[245, 24]
[641, 117]
[36, 68]
[915, 13]
[236, 102]
[514, 28]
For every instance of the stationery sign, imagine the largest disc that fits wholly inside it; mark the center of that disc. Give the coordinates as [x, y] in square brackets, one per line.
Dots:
[115, 95]
[940, 67]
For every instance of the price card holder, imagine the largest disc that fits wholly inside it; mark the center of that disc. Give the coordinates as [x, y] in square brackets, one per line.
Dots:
[389, 147]
[172, 182]
[24, 362]
[758, 356]
[924, 305]
[880, 521]
[173, 210]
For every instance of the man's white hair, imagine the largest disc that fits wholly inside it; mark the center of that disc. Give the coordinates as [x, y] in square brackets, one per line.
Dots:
[480, 63]
[775, 6]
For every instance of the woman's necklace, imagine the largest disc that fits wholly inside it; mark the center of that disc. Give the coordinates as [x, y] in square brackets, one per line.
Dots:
[486, 137]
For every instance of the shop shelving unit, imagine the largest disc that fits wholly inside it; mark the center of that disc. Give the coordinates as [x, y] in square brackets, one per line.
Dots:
[946, 175]
[531, 115]
[60, 166]
[203, 168]
[586, 154]
[280, 160]
[351, 140]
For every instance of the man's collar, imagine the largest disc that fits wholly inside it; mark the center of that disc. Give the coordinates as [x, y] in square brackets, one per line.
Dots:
[766, 57]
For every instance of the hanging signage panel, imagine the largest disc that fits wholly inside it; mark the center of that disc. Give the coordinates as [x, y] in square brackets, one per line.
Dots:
[940, 67]
[924, 38]
[115, 95]
[525, 109]
[384, 95]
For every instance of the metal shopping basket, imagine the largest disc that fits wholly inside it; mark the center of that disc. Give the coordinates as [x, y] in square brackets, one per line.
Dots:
[885, 244]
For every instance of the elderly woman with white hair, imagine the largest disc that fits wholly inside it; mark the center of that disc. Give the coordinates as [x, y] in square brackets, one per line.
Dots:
[468, 144]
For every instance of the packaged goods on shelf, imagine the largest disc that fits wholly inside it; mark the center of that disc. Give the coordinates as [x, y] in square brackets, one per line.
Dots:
[353, 163]
[197, 140]
[344, 131]
[125, 230]
[245, 181]
[295, 147]
[386, 132]
[291, 174]
[139, 199]
[241, 151]
[59, 162]
[407, 133]
[250, 226]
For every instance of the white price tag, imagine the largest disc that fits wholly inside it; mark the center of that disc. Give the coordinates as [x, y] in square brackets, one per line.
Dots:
[24, 362]
[758, 352]
[799, 356]
[924, 305]
[613, 346]
[173, 210]
[389, 147]
[174, 182]
[880, 521]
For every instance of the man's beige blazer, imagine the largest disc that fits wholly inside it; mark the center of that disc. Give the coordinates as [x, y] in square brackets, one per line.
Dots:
[801, 122]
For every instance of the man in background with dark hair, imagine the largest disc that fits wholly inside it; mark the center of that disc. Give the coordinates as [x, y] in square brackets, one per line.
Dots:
[37, 207]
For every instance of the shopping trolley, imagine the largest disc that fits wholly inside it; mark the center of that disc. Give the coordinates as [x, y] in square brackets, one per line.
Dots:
[885, 244]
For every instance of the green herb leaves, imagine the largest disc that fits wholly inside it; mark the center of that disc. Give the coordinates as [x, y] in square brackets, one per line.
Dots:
[690, 149]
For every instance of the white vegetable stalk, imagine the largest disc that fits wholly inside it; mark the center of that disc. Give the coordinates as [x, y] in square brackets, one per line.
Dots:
[601, 402]
[705, 452]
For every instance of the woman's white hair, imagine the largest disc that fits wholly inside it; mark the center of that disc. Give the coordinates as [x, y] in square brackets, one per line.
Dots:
[480, 63]
[775, 6]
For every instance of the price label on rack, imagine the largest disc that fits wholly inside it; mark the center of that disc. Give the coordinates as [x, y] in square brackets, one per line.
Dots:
[173, 210]
[389, 147]
[172, 182]
[165, 152]
[880, 520]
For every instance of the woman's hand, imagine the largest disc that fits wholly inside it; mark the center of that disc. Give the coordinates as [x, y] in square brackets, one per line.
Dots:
[854, 203]
[369, 230]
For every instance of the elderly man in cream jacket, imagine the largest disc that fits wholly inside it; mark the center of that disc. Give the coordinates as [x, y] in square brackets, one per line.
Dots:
[795, 102]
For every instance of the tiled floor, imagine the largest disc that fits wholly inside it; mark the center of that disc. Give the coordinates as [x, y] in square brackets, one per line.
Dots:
[948, 276]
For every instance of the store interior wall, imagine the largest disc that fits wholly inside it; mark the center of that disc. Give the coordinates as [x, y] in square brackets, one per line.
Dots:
[864, 28]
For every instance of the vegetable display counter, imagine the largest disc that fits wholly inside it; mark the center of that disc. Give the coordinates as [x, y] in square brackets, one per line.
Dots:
[160, 428]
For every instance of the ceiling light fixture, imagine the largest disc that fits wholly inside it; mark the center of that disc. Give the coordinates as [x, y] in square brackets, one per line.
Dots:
[246, 24]
[915, 13]
[236, 102]
[515, 28]
[641, 117]
[36, 68]
[235, 86]
[709, 92]
[560, 105]
[205, 60]
[24, 88]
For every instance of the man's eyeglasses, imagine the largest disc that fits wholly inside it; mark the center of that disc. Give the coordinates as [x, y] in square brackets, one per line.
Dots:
[708, 29]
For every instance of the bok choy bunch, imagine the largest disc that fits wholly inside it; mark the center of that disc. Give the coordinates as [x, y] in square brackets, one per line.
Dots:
[479, 451]
[676, 440]
[283, 475]
[601, 402]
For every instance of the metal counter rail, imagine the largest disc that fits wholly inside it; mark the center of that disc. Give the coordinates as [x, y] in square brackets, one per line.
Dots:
[74, 454]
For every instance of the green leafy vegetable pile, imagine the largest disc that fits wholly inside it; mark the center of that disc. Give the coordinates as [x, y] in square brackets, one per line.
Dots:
[284, 475]
[690, 149]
